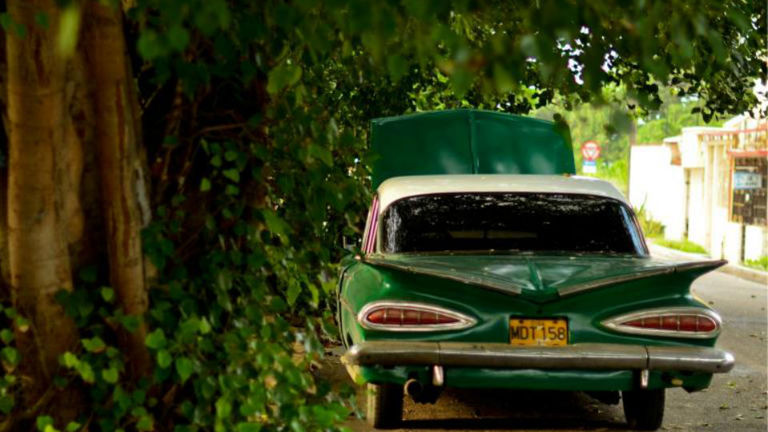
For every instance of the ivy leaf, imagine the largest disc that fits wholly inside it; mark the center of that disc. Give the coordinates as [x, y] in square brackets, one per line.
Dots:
[248, 427]
[6, 335]
[223, 407]
[184, 367]
[110, 375]
[205, 184]
[282, 76]
[69, 360]
[122, 398]
[216, 161]
[230, 155]
[10, 355]
[6, 21]
[164, 359]
[94, 345]
[6, 403]
[69, 29]
[130, 322]
[43, 422]
[108, 294]
[145, 423]
[149, 46]
[275, 225]
[232, 174]
[86, 372]
[293, 293]
[156, 339]
[232, 190]
[205, 326]
[189, 328]
[321, 153]
[178, 37]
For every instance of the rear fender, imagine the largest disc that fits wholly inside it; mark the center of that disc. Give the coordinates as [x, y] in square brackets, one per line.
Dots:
[585, 309]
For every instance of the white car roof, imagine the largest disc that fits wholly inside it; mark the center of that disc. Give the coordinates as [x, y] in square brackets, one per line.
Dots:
[396, 188]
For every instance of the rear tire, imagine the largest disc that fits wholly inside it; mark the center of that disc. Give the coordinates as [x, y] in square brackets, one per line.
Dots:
[644, 409]
[385, 405]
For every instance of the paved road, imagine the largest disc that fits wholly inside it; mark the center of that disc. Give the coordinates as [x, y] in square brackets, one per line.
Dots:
[735, 402]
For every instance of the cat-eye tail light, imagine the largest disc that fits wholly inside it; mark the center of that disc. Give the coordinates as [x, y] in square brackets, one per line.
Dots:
[411, 317]
[679, 322]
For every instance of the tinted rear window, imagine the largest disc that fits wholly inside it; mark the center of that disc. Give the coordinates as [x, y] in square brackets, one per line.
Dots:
[529, 222]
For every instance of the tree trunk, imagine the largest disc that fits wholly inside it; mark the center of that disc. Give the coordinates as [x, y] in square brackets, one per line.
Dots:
[123, 189]
[39, 260]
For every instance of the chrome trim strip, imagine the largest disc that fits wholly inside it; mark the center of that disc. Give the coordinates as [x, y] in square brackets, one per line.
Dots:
[672, 268]
[506, 288]
[465, 321]
[614, 323]
[588, 356]
[700, 264]
[573, 289]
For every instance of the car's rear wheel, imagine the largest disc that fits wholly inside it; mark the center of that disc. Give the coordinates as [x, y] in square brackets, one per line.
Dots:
[385, 405]
[644, 409]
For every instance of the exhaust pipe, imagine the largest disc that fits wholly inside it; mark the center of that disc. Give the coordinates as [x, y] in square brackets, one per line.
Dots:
[413, 388]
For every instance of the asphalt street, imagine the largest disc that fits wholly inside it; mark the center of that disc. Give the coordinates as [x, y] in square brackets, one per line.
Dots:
[736, 401]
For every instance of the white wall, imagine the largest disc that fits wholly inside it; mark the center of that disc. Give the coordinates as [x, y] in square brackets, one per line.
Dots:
[659, 186]
[719, 232]
[732, 247]
[697, 217]
[691, 151]
[754, 242]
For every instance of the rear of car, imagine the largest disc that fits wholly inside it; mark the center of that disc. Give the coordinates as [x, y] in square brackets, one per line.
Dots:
[520, 282]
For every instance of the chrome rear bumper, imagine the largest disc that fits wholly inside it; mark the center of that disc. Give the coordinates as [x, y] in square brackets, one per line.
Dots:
[587, 356]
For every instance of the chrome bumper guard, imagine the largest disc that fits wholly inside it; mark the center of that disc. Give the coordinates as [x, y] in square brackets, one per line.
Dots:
[586, 356]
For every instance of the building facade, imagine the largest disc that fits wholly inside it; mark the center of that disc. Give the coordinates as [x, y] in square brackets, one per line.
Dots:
[708, 185]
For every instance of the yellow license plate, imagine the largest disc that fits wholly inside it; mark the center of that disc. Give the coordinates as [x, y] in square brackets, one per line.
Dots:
[538, 332]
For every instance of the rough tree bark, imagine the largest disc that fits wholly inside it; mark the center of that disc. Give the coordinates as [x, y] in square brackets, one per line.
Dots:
[121, 168]
[39, 260]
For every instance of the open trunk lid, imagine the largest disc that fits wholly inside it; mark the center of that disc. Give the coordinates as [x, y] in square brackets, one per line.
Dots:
[468, 141]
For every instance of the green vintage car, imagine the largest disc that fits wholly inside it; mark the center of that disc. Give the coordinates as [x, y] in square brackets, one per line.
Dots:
[485, 263]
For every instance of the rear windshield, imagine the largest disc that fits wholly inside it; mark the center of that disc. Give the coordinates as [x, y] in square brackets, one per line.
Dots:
[526, 222]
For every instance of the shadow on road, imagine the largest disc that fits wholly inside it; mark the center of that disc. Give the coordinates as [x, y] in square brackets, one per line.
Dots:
[509, 424]
[513, 410]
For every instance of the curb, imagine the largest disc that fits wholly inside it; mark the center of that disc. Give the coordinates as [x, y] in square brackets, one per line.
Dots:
[739, 271]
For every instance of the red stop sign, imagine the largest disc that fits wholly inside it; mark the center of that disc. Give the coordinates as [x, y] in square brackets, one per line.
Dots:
[590, 150]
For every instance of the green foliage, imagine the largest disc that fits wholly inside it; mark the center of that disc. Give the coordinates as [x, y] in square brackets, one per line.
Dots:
[651, 227]
[611, 125]
[670, 121]
[760, 263]
[684, 245]
[10, 358]
[69, 29]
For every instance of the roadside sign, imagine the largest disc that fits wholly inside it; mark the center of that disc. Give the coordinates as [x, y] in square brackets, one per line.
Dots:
[589, 167]
[590, 151]
[747, 180]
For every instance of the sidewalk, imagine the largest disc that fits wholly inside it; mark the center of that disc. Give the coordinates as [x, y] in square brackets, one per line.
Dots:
[737, 270]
